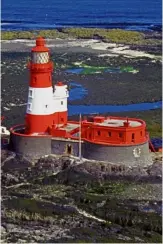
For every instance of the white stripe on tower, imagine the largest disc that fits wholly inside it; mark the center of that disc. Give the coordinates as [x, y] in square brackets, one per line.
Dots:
[40, 111]
[40, 101]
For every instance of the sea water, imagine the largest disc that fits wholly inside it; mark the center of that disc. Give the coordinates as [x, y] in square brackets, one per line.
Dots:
[50, 14]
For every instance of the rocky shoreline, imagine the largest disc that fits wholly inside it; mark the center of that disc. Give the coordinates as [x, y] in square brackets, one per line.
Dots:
[57, 200]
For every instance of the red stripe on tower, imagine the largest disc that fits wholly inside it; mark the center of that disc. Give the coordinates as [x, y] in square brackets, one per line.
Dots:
[40, 111]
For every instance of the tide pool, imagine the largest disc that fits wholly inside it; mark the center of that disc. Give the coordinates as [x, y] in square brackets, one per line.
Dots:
[99, 109]
[77, 91]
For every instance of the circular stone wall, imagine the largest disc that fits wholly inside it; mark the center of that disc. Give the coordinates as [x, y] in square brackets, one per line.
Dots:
[128, 155]
[30, 146]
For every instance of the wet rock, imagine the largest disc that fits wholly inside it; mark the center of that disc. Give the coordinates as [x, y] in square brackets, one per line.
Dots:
[155, 169]
[14, 162]
[9, 179]
[57, 219]
[10, 227]
[125, 238]
[73, 175]
[3, 230]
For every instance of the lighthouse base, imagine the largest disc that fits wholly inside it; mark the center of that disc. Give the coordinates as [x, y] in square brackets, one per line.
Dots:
[37, 146]
[128, 155]
[29, 146]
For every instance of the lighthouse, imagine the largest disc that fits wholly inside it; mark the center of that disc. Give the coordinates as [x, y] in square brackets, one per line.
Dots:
[40, 106]
[47, 130]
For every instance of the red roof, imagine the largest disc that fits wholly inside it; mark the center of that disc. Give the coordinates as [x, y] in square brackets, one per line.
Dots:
[40, 45]
[59, 83]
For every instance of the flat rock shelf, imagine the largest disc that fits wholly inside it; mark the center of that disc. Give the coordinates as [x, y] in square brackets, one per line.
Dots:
[57, 200]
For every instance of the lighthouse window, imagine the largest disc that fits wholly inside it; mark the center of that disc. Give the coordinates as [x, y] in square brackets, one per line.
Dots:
[29, 106]
[133, 136]
[30, 93]
[40, 57]
[109, 134]
[120, 135]
[61, 102]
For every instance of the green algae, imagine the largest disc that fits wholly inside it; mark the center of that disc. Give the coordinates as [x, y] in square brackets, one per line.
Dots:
[87, 69]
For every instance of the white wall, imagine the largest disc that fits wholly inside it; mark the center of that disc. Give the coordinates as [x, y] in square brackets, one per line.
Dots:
[60, 98]
[40, 101]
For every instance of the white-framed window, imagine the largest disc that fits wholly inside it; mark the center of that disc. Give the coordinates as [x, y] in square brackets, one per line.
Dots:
[31, 93]
[61, 102]
[29, 106]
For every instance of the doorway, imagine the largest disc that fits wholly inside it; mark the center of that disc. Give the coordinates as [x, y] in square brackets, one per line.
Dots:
[69, 149]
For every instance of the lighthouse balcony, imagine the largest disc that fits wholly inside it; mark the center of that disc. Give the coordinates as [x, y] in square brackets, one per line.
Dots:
[18, 129]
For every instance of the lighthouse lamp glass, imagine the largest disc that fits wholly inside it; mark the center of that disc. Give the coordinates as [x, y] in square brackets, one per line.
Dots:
[40, 57]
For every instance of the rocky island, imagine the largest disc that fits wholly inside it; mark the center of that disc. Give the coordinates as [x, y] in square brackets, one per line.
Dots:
[57, 199]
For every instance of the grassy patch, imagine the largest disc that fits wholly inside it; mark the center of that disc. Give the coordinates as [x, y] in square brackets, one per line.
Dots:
[114, 240]
[11, 35]
[50, 190]
[28, 216]
[154, 129]
[52, 34]
[43, 208]
[107, 188]
[153, 119]
[84, 32]
[154, 124]
[122, 36]
[114, 35]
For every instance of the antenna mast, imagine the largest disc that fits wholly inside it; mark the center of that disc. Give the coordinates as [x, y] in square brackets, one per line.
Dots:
[80, 137]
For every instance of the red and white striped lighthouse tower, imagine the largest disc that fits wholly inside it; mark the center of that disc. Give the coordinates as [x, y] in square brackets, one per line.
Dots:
[40, 106]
